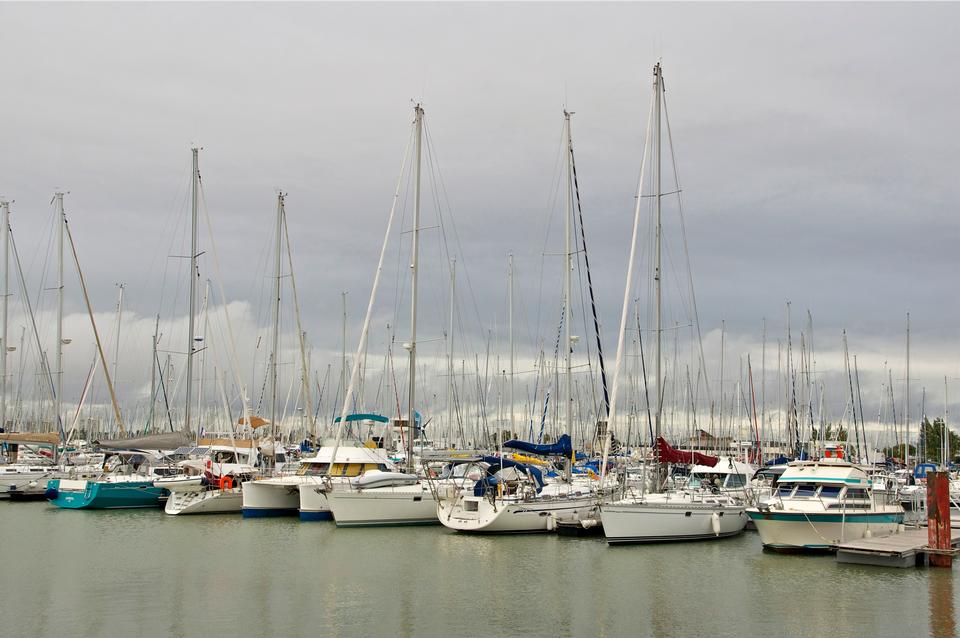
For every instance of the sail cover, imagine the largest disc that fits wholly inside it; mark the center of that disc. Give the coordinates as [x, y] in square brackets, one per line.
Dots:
[669, 454]
[562, 447]
[168, 441]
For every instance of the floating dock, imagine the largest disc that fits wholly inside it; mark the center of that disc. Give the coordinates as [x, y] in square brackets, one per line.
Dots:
[909, 548]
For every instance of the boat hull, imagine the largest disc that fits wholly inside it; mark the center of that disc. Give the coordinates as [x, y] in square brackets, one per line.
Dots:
[404, 505]
[480, 515]
[814, 531]
[314, 505]
[665, 522]
[209, 502]
[74, 494]
[270, 497]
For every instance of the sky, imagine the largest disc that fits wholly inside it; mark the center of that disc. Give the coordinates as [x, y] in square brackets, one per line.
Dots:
[816, 146]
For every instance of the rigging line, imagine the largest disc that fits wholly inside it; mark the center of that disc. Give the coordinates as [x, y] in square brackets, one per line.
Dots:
[431, 156]
[593, 304]
[44, 364]
[549, 215]
[232, 357]
[686, 249]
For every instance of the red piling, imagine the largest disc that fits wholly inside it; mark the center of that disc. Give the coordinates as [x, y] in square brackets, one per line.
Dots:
[938, 518]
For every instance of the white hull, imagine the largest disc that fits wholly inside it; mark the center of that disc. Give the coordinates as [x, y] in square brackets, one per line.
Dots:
[24, 479]
[813, 531]
[272, 497]
[505, 516]
[314, 505]
[208, 502]
[663, 521]
[401, 505]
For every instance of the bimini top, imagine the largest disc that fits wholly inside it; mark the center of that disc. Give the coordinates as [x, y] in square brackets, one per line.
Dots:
[350, 454]
[496, 464]
[563, 447]
[725, 465]
[364, 417]
[834, 471]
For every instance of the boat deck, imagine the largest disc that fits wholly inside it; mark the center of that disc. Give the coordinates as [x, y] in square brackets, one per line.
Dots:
[906, 549]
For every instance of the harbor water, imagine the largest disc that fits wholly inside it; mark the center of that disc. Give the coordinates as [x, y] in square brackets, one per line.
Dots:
[143, 573]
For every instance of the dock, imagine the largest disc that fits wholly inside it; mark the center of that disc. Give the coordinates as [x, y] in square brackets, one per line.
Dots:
[909, 548]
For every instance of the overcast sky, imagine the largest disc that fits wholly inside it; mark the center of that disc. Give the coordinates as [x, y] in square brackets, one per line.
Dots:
[816, 144]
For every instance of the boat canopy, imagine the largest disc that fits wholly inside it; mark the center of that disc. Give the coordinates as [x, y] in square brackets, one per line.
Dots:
[364, 417]
[168, 441]
[30, 437]
[496, 464]
[780, 460]
[563, 447]
[669, 454]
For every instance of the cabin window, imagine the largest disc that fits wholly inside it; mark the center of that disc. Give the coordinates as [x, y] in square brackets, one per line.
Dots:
[830, 491]
[856, 494]
[736, 480]
[471, 506]
[783, 491]
[312, 469]
[806, 489]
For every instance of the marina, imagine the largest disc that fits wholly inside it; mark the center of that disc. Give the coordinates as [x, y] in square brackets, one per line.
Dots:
[397, 319]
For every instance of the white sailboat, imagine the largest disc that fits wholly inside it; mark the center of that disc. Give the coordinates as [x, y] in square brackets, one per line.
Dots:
[688, 514]
[406, 499]
[530, 505]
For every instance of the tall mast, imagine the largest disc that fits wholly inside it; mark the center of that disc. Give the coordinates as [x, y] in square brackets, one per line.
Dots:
[510, 324]
[658, 86]
[154, 364]
[343, 343]
[116, 350]
[907, 407]
[453, 296]
[58, 399]
[567, 267]
[194, 223]
[276, 329]
[5, 208]
[414, 265]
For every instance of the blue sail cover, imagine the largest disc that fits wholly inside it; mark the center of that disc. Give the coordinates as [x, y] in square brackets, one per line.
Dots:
[563, 447]
[496, 464]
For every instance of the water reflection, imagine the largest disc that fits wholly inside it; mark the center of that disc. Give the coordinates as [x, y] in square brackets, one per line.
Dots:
[144, 573]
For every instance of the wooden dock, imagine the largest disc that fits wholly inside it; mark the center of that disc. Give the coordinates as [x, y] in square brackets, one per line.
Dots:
[906, 549]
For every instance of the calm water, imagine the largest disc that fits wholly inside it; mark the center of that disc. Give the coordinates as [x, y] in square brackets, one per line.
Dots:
[142, 573]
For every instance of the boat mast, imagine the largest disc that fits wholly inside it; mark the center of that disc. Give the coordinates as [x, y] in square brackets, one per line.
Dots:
[510, 324]
[276, 330]
[567, 267]
[195, 198]
[906, 441]
[57, 399]
[415, 258]
[5, 208]
[154, 364]
[453, 294]
[658, 87]
[343, 343]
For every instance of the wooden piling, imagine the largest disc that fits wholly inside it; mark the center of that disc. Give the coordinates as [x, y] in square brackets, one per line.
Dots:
[938, 518]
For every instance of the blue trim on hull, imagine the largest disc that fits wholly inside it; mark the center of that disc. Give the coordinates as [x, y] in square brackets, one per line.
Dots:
[814, 517]
[266, 512]
[316, 516]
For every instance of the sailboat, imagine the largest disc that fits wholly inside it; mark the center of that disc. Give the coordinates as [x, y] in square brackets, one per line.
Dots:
[138, 464]
[658, 516]
[532, 505]
[400, 498]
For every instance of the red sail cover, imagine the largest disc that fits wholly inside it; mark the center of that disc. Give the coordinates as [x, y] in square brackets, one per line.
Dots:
[669, 454]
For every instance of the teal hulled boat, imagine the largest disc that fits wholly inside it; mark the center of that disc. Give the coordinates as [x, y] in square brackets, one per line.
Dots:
[115, 492]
